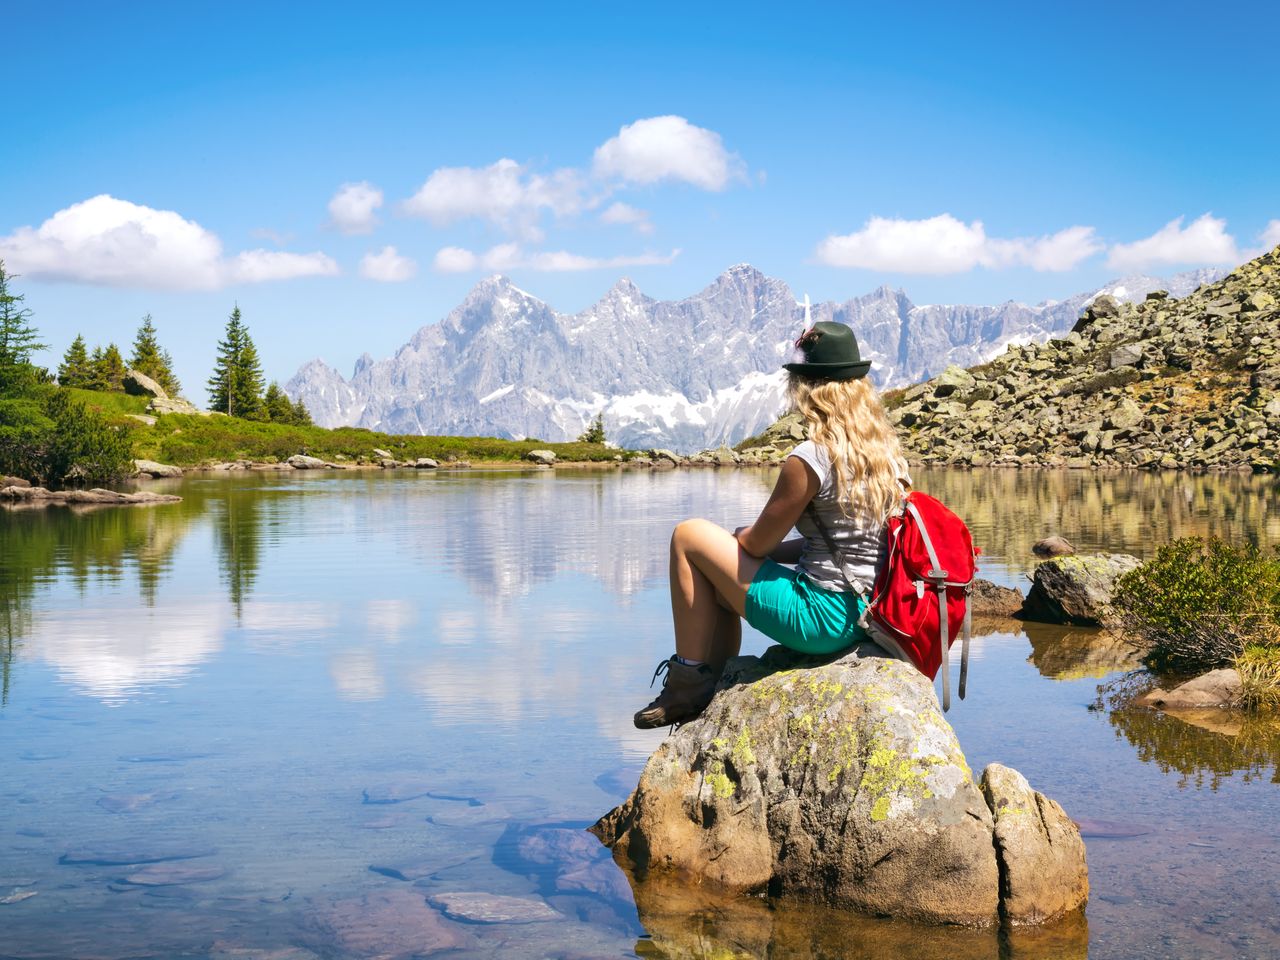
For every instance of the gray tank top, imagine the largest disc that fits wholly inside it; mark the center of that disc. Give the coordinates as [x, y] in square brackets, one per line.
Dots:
[859, 538]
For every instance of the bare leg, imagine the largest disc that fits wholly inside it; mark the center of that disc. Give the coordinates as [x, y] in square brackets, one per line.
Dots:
[710, 574]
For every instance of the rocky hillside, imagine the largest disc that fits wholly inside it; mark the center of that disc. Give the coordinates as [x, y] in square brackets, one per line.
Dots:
[685, 374]
[1168, 383]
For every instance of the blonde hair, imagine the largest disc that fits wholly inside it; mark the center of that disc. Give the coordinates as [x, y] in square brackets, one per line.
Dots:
[847, 418]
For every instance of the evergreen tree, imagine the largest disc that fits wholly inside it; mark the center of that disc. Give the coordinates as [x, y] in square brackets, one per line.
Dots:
[301, 415]
[18, 338]
[595, 431]
[151, 359]
[75, 369]
[95, 379]
[236, 385]
[110, 369]
[276, 405]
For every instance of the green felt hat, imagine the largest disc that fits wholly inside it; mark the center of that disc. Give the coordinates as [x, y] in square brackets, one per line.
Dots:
[830, 353]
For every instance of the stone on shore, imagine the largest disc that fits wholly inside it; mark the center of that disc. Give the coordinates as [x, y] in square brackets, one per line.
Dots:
[149, 468]
[542, 457]
[1218, 689]
[301, 461]
[13, 482]
[138, 384]
[381, 454]
[425, 463]
[1043, 872]
[1076, 589]
[839, 784]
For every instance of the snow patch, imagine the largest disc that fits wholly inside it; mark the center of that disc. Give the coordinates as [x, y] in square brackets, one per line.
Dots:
[496, 395]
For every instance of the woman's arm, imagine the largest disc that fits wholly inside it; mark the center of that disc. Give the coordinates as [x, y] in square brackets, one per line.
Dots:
[797, 485]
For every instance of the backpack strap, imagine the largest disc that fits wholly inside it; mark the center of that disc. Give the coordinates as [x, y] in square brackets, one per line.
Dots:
[938, 577]
[836, 553]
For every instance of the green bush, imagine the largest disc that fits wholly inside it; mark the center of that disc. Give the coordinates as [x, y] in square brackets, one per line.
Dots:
[49, 437]
[1200, 603]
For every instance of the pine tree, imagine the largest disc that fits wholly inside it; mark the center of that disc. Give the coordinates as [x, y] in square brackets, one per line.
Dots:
[276, 405]
[301, 415]
[111, 369]
[149, 358]
[75, 369]
[96, 379]
[18, 338]
[236, 385]
[595, 431]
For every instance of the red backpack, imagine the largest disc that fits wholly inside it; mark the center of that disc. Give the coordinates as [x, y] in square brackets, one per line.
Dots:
[921, 591]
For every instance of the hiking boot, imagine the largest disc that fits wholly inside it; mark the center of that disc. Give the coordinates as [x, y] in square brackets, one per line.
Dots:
[686, 691]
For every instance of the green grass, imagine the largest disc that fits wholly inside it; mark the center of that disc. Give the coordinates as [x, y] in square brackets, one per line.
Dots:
[112, 404]
[190, 440]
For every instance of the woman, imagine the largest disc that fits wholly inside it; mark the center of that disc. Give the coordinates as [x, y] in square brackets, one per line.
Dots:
[849, 477]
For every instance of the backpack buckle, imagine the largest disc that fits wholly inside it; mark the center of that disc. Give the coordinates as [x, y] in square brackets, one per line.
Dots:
[939, 576]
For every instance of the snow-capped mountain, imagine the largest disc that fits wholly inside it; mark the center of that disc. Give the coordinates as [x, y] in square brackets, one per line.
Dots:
[686, 374]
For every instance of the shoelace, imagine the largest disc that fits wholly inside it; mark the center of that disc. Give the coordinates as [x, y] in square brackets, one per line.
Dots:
[664, 665]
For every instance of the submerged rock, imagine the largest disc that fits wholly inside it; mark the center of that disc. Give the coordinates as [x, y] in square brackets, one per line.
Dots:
[127, 855]
[392, 924]
[1076, 589]
[493, 908]
[839, 784]
[40, 497]
[174, 874]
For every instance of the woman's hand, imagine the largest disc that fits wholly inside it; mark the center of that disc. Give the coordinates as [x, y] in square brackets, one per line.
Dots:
[797, 485]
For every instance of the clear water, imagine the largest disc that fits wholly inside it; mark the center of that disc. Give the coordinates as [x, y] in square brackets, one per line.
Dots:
[231, 680]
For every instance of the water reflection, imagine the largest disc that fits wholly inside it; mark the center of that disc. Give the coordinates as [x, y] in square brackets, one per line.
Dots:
[1072, 653]
[1204, 747]
[694, 922]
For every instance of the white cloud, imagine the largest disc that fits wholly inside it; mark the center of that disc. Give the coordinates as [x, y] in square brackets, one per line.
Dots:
[1205, 241]
[1269, 238]
[116, 243]
[624, 213]
[944, 244]
[504, 193]
[257, 266]
[351, 209]
[387, 266]
[667, 148]
[509, 256]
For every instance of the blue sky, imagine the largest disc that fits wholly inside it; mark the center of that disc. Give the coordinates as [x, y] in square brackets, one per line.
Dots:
[179, 158]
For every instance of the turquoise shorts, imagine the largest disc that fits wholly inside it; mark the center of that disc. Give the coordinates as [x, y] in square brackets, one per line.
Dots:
[784, 606]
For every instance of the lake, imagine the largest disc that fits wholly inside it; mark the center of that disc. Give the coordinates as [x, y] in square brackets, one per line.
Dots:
[341, 714]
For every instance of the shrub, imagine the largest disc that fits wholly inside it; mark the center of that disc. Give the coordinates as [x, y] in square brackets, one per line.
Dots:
[1200, 603]
[1259, 669]
[48, 436]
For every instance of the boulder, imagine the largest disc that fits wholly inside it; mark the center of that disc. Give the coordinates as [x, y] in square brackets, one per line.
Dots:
[425, 463]
[381, 454]
[951, 379]
[1076, 589]
[13, 482]
[1125, 415]
[837, 783]
[149, 468]
[1043, 872]
[163, 405]
[1126, 355]
[542, 457]
[987, 599]
[1054, 546]
[300, 461]
[1215, 689]
[139, 384]
[668, 455]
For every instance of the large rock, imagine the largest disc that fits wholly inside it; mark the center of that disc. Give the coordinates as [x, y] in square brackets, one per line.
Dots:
[149, 468]
[839, 784]
[301, 461]
[1043, 872]
[163, 405]
[40, 497]
[988, 600]
[543, 458]
[140, 385]
[1215, 689]
[1076, 589]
